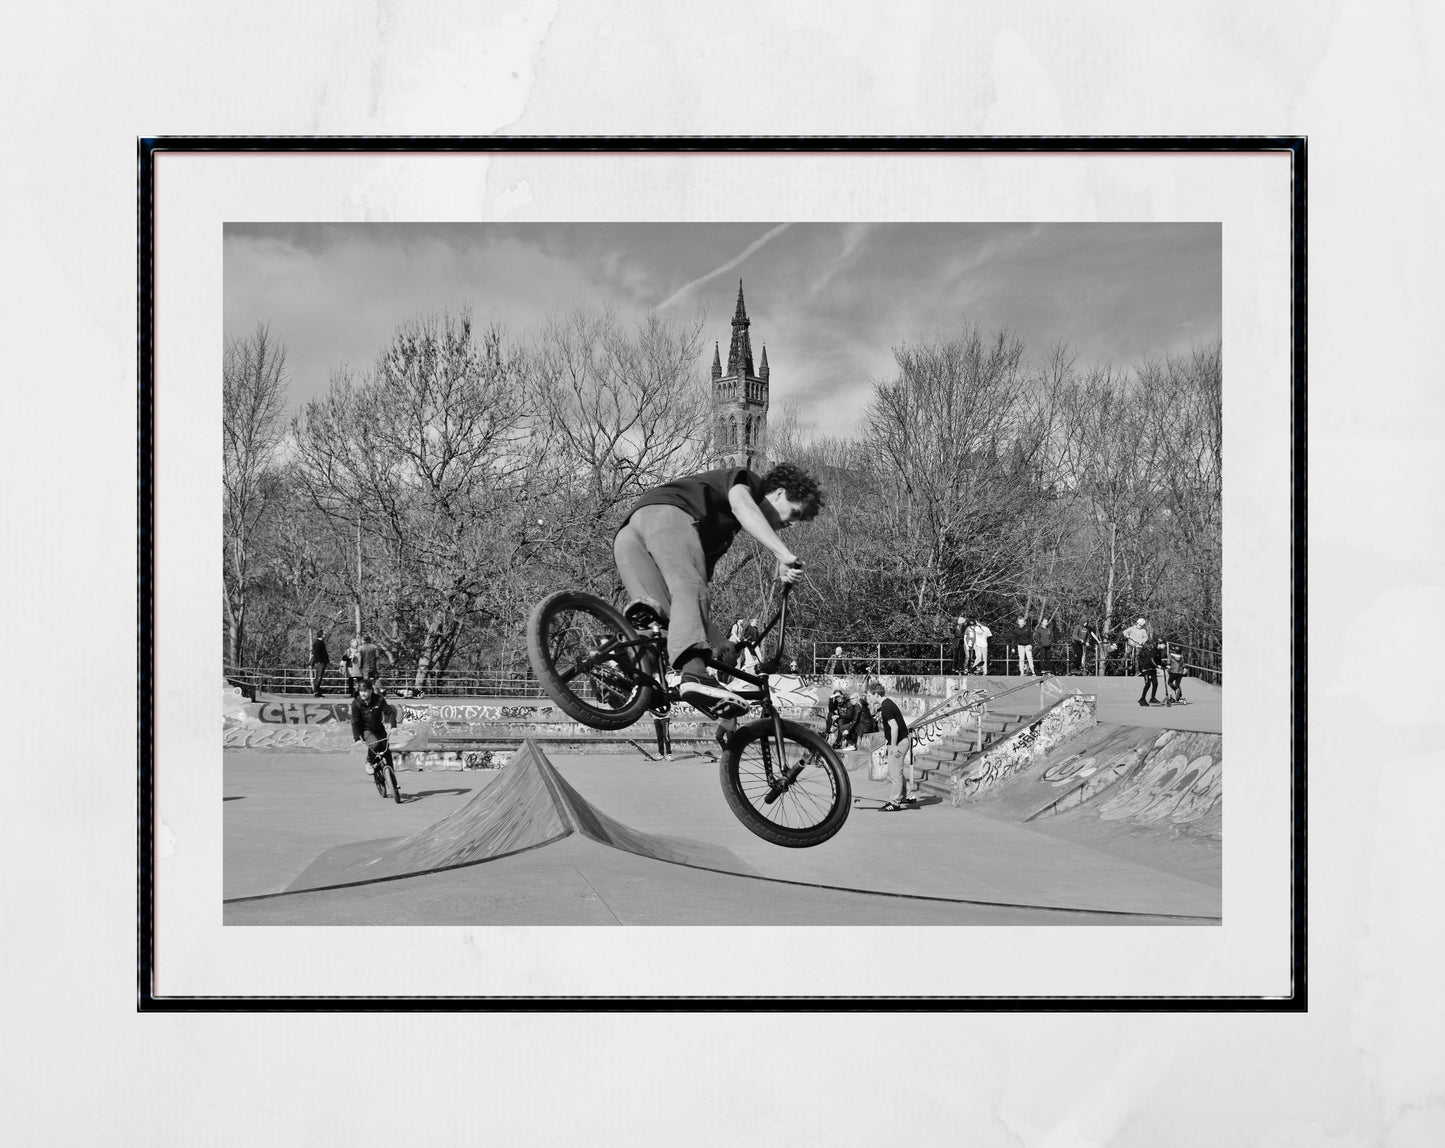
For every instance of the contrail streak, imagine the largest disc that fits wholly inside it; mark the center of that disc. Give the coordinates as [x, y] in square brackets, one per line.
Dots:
[728, 266]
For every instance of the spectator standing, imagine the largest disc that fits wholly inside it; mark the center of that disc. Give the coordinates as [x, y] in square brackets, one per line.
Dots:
[320, 659]
[1024, 641]
[1043, 640]
[662, 725]
[1078, 637]
[978, 635]
[895, 741]
[1176, 670]
[351, 664]
[960, 645]
[1136, 637]
[368, 655]
[837, 664]
[1086, 645]
[1149, 657]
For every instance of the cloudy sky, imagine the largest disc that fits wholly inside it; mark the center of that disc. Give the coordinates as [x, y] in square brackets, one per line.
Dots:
[829, 301]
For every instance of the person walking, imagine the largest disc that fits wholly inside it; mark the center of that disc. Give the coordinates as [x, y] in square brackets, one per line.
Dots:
[320, 659]
[1024, 642]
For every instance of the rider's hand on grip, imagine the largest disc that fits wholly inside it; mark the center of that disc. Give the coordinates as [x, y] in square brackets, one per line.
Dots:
[790, 570]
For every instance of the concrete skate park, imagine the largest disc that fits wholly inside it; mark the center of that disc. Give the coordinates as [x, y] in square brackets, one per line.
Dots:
[1057, 801]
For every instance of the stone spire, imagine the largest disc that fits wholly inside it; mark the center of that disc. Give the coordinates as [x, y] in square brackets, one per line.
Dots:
[717, 363]
[763, 366]
[740, 352]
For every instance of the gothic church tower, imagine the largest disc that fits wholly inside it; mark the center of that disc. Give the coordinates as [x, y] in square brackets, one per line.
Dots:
[740, 399]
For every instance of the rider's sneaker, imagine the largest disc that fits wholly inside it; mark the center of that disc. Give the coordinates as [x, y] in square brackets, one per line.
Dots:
[643, 614]
[705, 693]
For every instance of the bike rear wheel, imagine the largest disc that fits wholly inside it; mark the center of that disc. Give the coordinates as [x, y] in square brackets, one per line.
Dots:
[796, 794]
[565, 636]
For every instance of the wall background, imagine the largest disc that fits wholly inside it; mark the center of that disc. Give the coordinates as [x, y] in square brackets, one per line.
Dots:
[82, 80]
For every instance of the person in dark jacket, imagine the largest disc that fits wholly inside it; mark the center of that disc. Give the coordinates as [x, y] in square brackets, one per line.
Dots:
[370, 715]
[1024, 641]
[1150, 658]
[960, 636]
[1043, 639]
[835, 707]
[662, 725]
[320, 659]
[843, 722]
[863, 722]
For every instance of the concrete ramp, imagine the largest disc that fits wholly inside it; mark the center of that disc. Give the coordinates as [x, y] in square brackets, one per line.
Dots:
[528, 807]
[1154, 796]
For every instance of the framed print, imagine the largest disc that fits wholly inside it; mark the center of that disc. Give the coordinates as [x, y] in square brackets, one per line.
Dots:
[809, 561]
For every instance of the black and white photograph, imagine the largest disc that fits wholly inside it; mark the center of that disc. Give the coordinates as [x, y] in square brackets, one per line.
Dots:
[723, 574]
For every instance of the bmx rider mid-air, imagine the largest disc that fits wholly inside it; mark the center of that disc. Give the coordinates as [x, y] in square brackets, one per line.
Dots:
[671, 541]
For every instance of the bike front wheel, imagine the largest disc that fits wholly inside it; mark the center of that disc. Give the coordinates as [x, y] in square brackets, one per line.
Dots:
[793, 793]
[568, 635]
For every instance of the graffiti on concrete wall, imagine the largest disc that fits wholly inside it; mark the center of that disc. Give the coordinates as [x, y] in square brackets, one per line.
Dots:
[452, 759]
[476, 713]
[300, 713]
[329, 736]
[1176, 782]
[1023, 747]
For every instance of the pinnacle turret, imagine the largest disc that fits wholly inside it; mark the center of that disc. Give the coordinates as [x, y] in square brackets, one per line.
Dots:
[716, 363]
[740, 351]
[763, 366]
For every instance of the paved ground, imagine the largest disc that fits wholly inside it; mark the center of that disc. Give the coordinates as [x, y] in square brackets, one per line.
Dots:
[936, 864]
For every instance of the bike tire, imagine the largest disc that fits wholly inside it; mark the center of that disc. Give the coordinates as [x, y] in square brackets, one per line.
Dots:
[568, 624]
[395, 789]
[810, 810]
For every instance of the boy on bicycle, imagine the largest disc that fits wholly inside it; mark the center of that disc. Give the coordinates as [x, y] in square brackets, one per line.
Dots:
[671, 541]
[370, 712]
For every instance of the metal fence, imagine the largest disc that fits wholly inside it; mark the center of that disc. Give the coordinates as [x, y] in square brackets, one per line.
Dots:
[925, 659]
[812, 656]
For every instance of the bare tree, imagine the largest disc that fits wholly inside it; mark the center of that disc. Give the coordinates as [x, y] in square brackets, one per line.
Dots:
[426, 457]
[612, 413]
[956, 447]
[253, 397]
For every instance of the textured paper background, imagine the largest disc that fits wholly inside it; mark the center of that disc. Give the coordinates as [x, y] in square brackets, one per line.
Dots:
[1364, 1067]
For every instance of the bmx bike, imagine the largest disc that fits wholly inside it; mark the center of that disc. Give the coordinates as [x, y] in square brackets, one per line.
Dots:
[378, 756]
[781, 780]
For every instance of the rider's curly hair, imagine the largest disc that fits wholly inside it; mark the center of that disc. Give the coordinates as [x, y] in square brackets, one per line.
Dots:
[798, 485]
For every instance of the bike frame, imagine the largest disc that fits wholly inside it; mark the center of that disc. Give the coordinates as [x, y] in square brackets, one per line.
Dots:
[761, 694]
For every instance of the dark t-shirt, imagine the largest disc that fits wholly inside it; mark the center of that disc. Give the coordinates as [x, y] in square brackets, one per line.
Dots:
[889, 717]
[318, 652]
[705, 497]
